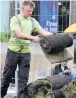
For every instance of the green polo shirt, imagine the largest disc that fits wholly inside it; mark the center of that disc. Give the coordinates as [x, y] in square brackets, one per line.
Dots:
[19, 45]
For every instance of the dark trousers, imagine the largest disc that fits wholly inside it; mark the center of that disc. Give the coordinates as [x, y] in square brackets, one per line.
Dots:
[74, 55]
[23, 61]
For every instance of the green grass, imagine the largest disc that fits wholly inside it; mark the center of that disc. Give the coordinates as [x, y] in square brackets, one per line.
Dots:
[5, 36]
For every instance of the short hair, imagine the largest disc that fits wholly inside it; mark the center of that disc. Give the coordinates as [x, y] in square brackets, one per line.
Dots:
[28, 2]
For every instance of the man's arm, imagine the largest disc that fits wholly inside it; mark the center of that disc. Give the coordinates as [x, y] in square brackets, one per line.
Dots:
[43, 32]
[19, 34]
[39, 29]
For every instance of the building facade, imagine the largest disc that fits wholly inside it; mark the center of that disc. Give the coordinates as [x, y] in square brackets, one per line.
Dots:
[10, 8]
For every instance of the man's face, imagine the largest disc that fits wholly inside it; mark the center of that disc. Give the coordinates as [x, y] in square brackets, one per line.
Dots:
[63, 64]
[27, 10]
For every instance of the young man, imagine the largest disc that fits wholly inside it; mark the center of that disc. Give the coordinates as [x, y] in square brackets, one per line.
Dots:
[62, 69]
[19, 48]
[74, 53]
[72, 29]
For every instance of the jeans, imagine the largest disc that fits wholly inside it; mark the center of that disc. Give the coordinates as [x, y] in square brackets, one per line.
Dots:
[23, 61]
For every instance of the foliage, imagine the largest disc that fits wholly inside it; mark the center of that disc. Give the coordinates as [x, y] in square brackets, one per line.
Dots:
[5, 36]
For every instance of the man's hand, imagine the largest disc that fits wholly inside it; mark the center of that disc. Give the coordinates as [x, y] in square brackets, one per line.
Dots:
[36, 39]
[67, 71]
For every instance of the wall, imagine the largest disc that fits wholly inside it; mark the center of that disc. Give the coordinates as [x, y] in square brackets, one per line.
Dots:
[4, 15]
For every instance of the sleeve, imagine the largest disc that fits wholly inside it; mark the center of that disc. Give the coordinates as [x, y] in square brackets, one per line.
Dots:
[56, 70]
[14, 24]
[66, 67]
[37, 26]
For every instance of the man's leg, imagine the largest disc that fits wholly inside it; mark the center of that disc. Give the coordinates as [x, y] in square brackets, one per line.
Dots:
[24, 66]
[74, 57]
[9, 69]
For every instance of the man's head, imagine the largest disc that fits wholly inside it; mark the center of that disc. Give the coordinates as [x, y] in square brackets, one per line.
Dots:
[27, 8]
[64, 63]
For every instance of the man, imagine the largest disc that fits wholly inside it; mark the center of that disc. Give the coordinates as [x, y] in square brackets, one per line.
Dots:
[74, 53]
[72, 29]
[62, 69]
[19, 48]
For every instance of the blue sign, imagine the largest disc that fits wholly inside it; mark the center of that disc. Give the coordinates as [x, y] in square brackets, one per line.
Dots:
[49, 15]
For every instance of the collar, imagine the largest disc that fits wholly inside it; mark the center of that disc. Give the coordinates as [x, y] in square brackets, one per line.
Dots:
[20, 15]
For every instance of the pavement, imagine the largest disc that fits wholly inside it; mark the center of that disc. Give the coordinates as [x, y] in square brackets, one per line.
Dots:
[35, 50]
